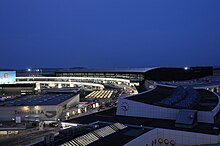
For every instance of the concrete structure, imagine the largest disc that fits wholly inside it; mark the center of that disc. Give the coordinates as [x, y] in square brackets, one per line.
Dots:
[133, 74]
[147, 105]
[166, 137]
[37, 107]
[96, 83]
[139, 74]
[16, 89]
[55, 82]
[211, 83]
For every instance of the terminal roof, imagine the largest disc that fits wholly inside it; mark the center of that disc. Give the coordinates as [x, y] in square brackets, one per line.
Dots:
[110, 116]
[207, 100]
[113, 70]
[38, 100]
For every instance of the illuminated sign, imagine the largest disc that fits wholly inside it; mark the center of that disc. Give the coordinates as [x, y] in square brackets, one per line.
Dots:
[7, 77]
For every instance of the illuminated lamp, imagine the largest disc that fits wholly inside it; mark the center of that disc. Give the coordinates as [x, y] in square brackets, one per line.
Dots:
[73, 113]
[166, 141]
[160, 140]
[36, 107]
[172, 142]
[79, 110]
[25, 108]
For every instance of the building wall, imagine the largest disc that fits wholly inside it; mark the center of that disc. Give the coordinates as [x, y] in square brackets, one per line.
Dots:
[30, 113]
[16, 89]
[137, 109]
[205, 116]
[144, 139]
[179, 137]
[7, 113]
[64, 106]
[73, 101]
[130, 76]
[178, 74]
[216, 71]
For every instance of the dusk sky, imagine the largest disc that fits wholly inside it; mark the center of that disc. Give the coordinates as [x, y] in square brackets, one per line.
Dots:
[109, 33]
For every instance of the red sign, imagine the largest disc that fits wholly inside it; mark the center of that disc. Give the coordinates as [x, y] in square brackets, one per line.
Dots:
[5, 75]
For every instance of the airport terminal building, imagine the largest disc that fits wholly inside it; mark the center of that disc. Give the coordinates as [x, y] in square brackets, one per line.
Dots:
[140, 74]
[37, 107]
[163, 102]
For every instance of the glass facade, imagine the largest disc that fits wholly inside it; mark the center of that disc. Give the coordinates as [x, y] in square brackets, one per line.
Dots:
[130, 76]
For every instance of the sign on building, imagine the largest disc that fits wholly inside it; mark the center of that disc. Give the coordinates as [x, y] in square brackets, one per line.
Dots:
[7, 77]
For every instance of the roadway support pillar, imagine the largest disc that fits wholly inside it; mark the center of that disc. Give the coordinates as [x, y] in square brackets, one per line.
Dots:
[59, 85]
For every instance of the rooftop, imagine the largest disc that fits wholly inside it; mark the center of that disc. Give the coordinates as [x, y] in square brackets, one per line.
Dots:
[209, 81]
[34, 100]
[205, 100]
[113, 70]
[110, 116]
[152, 96]
[101, 134]
[121, 137]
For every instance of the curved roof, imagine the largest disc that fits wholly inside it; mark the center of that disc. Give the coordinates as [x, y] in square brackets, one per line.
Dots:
[207, 100]
[109, 70]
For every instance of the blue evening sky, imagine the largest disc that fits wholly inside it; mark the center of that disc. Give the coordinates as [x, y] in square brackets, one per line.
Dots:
[109, 33]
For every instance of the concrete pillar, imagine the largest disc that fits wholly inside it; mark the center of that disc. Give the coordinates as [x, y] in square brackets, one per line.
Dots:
[41, 125]
[37, 86]
[71, 85]
[218, 90]
[52, 85]
[59, 85]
